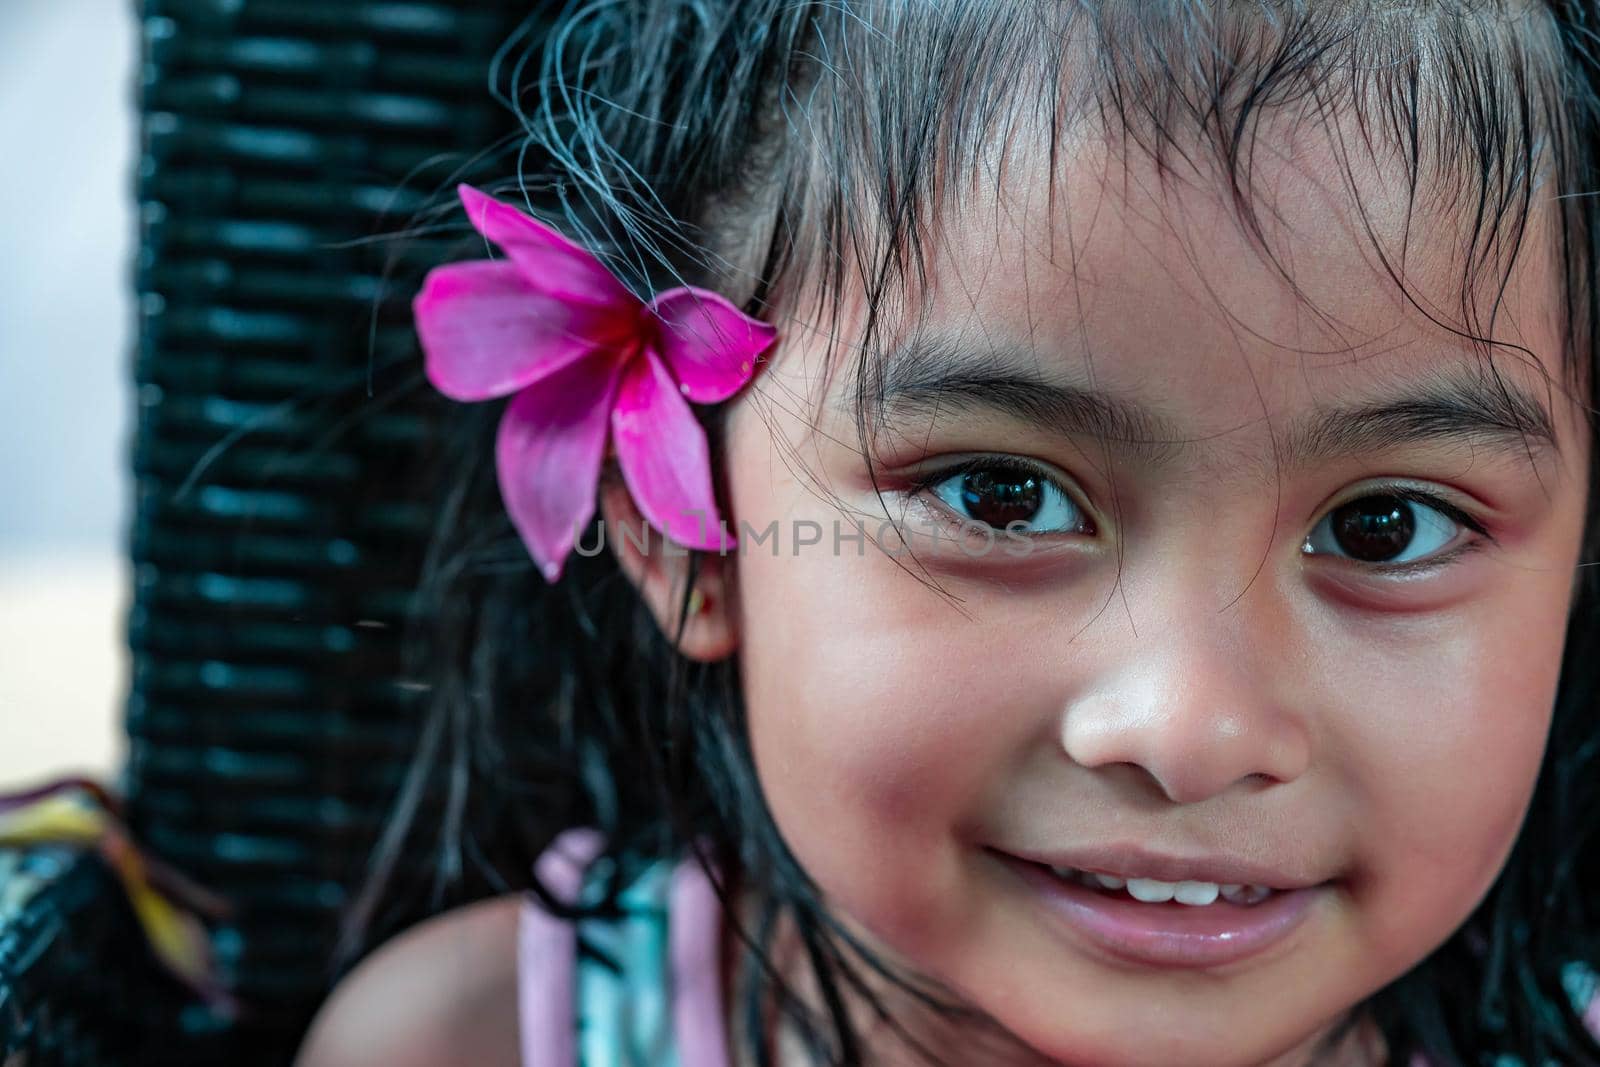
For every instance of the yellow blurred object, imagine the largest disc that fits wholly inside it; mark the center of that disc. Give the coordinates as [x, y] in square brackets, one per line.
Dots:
[59, 818]
[80, 812]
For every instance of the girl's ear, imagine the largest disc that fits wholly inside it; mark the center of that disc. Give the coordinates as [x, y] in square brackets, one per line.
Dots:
[660, 571]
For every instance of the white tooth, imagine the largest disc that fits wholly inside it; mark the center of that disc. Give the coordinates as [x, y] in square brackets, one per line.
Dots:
[1151, 891]
[1230, 891]
[1195, 892]
[1110, 881]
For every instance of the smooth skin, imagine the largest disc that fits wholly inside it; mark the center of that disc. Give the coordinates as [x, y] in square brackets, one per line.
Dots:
[1187, 676]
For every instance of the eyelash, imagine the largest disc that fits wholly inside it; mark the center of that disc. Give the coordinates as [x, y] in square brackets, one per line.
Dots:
[924, 484]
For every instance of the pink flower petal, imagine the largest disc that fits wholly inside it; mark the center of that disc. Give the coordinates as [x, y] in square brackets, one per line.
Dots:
[709, 343]
[486, 331]
[548, 451]
[550, 261]
[664, 456]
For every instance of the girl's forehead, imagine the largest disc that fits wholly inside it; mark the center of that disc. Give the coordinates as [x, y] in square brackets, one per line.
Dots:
[1104, 278]
[1330, 255]
[1104, 265]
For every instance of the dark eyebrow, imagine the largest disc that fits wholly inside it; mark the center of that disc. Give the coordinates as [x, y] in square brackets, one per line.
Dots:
[1459, 405]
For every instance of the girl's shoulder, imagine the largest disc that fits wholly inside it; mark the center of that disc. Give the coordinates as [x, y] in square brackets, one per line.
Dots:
[444, 991]
[503, 983]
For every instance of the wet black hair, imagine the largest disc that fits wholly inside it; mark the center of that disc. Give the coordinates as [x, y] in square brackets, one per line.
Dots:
[785, 152]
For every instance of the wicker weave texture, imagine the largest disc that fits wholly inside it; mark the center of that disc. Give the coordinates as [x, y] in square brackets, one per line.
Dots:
[277, 533]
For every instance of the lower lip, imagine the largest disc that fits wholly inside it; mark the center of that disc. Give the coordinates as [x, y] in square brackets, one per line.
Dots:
[1169, 934]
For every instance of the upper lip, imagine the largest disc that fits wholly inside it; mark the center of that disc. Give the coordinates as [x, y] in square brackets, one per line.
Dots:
[1133, 861]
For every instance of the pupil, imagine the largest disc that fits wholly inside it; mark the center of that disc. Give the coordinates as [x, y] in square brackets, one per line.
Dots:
[1000, 501]
[1374, 528]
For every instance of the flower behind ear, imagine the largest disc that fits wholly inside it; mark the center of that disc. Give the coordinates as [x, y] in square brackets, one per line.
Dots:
[580, 355]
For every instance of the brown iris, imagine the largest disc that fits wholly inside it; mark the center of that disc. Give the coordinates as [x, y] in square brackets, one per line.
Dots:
[1000, 501]
[1374, 528]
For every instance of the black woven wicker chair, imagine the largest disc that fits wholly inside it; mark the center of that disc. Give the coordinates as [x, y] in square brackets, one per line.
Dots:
[276, 537]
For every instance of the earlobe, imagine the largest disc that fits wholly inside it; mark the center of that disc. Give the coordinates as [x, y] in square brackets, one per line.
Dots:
[659, 570]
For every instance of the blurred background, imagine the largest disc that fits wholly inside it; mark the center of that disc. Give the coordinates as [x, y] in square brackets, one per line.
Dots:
[271, 161]
[66, 406]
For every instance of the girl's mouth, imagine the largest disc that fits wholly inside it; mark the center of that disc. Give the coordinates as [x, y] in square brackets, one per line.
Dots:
[1217, 925]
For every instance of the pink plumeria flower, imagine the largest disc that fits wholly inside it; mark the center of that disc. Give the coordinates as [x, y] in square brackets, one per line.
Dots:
[586, 360]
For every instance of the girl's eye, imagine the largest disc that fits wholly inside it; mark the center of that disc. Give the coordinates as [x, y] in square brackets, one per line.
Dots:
[1388, 528]
[1009, 495]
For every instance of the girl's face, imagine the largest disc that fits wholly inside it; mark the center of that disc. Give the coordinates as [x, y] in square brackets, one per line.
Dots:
[1219, 635]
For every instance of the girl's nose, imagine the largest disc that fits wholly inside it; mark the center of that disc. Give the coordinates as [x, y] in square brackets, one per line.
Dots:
[1193, 710]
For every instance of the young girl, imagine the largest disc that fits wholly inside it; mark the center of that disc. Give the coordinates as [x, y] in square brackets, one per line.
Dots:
[1125, 477]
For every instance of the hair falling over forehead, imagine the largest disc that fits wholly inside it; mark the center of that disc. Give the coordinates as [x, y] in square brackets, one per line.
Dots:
[797, 155]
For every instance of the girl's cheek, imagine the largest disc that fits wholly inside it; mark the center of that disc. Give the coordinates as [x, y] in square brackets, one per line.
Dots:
[1441, 745]
[876, 721]
[880, 699]
[866, 692]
